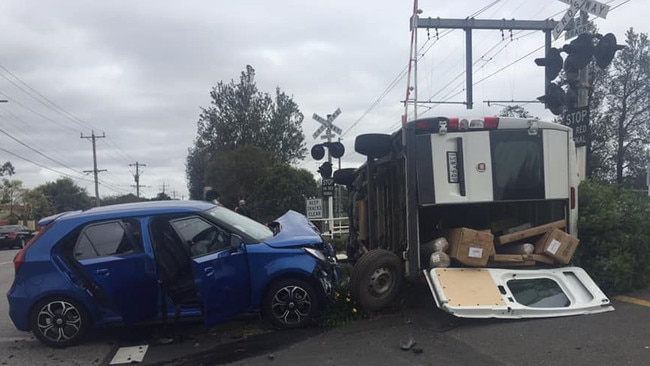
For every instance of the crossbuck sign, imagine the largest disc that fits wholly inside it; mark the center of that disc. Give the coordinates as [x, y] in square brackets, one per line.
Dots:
[327, 123]
[590, 6]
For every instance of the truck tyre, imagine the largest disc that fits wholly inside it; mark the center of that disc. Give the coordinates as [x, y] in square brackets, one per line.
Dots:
[344, 176]
[376, 279]
[373, 145]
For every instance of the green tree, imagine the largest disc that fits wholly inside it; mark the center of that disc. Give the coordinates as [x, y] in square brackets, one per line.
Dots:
[515, 111]
[6, 169]
[64, 195]
[195, 169]
[614, 236]
[162, 196]
[11, 192]
[36, 205]
[282, 188]
[620, 122]
[240, 115]
[235, 173]
[127, 198]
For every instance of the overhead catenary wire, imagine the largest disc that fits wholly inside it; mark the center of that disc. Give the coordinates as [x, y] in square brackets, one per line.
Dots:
[422, 51]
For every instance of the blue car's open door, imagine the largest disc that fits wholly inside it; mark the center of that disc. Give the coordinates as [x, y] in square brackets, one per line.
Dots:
[223, 283]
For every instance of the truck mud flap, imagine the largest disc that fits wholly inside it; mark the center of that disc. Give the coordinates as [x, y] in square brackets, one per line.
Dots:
[516, 293]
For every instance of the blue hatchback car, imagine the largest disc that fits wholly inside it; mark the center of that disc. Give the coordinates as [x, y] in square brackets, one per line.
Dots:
[139, 262]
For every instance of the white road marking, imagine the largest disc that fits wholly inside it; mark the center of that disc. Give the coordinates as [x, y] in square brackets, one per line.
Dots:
[1, 263]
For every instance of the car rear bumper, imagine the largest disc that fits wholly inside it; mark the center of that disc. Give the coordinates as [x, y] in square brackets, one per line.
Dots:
[19, 309]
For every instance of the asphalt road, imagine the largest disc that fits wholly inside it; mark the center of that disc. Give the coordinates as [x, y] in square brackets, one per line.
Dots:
[621, 337]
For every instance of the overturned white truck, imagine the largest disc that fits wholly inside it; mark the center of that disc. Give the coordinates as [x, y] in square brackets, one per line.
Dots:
[437, 174]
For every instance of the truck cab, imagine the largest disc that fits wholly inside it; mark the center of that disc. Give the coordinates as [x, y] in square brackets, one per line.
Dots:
[436, 174]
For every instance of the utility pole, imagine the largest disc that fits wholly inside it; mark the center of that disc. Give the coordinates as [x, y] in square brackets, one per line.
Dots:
[137, 177]
[95, 170]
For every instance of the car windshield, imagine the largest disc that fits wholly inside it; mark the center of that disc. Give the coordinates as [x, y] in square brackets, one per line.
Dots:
[242, 223]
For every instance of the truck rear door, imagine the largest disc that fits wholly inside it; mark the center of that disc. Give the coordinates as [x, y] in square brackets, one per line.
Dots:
[516, 293]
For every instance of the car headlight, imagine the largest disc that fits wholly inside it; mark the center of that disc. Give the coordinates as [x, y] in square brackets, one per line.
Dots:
[316, 254]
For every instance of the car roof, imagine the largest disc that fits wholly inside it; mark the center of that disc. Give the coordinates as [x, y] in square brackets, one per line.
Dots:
[10, 227]
[129, 209]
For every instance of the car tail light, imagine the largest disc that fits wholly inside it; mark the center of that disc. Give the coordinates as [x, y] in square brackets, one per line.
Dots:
[20, 256]
[573, 198]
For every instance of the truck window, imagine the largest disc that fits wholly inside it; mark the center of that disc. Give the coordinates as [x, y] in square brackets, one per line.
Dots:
[517, 163]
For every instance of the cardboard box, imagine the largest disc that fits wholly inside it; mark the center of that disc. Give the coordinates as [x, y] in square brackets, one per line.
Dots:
[510, 264]
[558, 245]
[506, 258]
[470, 247]
[527, 233]
[538, 258]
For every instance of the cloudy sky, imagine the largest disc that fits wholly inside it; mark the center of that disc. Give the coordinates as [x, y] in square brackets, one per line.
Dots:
[136, 74]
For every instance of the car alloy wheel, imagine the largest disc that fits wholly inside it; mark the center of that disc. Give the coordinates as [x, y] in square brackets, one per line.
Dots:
[290, 304]
[59, 322]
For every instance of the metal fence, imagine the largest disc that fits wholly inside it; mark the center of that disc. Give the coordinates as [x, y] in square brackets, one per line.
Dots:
[333, 227]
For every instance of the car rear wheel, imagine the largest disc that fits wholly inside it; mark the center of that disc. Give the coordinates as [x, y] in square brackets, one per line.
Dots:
[376, 279]
[290, 303]
[59, 322]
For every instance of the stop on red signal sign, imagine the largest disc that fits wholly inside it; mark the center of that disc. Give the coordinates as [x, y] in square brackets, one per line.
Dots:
[578, 120]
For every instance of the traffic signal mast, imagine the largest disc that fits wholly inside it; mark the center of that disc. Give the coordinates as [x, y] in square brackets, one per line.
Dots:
[580, 52]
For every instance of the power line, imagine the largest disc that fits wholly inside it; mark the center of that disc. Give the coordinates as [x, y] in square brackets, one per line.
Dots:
[403, 73]
[50, 104]
[43, 166]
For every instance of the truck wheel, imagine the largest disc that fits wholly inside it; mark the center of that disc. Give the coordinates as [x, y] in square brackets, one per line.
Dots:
[290, 303]
[376, 279]
[373, 145]
[59, 322]
[344, 176]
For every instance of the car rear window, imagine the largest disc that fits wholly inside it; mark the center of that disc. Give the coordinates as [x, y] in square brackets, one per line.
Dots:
[107, 239]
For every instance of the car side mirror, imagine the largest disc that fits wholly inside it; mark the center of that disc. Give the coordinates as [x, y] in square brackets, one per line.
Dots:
[235, 241]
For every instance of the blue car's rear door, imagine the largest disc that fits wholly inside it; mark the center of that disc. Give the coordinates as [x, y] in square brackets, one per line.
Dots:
[111, 255]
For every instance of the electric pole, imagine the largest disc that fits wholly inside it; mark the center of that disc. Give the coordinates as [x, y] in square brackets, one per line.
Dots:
[95, 170]
[137, 166]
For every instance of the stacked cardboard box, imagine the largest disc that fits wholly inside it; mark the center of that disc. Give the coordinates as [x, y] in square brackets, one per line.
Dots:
[470, 247]
[524, 246]
[551, 244]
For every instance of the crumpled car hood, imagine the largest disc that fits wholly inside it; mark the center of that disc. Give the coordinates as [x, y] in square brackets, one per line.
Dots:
[293, 229]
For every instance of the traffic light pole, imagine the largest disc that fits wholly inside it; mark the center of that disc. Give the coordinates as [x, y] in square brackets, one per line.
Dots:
[583, 101]
[330, 199]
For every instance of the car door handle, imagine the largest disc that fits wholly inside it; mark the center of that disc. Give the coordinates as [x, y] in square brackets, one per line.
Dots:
[103, 272]
[209, 271]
